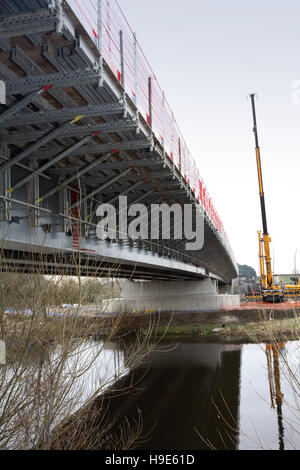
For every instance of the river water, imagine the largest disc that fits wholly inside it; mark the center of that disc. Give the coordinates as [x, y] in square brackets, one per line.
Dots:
[191, 395]
[204, 395]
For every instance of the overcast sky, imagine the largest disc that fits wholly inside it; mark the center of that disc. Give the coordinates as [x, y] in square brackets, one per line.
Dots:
[208, 55]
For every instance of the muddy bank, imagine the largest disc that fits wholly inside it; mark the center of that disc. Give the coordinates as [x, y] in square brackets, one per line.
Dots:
[251, 321]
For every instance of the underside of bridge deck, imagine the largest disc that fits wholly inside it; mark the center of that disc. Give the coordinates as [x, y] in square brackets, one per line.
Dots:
[72, 138]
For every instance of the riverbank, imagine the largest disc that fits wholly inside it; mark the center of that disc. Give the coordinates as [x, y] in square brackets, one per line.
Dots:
[252, 321]
[252, 331]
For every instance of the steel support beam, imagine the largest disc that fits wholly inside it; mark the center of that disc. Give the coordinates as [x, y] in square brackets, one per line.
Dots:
[57, 79]
[33, 192]
[29, 22]
[94, 180]
[114, 166]
[79, 131]
[5, 182]
[101, 148]
[57, 115]
[26, 204]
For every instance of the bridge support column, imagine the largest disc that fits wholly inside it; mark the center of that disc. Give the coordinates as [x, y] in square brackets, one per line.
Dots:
[170, 296]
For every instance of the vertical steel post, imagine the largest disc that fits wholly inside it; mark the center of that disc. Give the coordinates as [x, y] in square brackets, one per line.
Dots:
[85, 215]
[122, 60]
[33, 191]
[62, 206]
[2, 92]
[59, 14]
[179, 150]
[108, 27]
[150, 100]
[173, 136]
[135, 70]
[5, 182]
[164, 119]
[99, 41]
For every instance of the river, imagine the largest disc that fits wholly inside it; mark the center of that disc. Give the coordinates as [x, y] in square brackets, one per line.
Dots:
[203, 395]
[188, 394]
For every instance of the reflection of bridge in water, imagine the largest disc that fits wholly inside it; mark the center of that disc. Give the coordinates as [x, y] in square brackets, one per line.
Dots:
[186, 387]
[85, 121]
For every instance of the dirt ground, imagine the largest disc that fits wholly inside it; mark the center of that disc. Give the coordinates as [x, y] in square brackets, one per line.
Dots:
[248, 312]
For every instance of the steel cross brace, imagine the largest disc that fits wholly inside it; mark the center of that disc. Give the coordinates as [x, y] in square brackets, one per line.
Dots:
[40, 21]
[131, 188]
[113, 199]
[142, 179]
[21, 104]
[97, 190]
[133, 202]
[140, 198]
[54, 160]
[75, 176]
[56, 115]
[50, 136]
[20, 165]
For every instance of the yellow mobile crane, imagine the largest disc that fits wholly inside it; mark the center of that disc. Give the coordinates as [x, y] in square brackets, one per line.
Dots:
[268, 290]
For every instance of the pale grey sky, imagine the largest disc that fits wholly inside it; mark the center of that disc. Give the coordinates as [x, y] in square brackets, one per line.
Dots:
[208, 55]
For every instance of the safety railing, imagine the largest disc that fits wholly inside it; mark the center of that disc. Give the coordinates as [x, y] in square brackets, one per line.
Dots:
[107, 26]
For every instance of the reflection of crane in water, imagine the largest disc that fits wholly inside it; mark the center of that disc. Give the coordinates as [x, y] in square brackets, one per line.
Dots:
[274, 383]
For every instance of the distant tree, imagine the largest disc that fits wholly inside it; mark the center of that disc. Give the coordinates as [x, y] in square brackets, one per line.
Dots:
[246, 271]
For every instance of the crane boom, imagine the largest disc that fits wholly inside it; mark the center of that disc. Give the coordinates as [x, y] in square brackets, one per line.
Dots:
[267, 279]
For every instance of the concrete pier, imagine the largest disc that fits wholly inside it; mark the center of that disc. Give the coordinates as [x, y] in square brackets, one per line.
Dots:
[170, 296]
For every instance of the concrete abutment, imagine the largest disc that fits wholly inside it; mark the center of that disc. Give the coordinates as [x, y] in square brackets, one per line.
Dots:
[170, 296]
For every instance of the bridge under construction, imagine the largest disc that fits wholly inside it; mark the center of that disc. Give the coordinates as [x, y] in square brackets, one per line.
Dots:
[84, 121]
